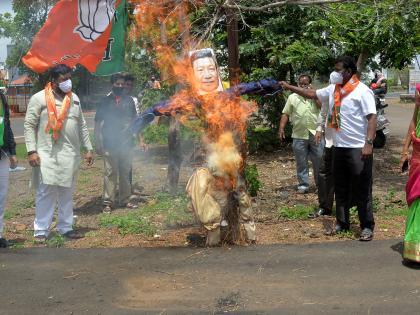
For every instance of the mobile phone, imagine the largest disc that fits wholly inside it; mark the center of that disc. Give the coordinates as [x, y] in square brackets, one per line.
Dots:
[404, 167]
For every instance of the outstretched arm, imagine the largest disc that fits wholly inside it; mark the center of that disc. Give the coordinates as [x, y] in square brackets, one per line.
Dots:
[146, 117]
[265, 86]
[306, 93]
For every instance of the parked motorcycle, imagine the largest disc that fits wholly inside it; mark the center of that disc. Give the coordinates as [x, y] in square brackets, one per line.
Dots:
[382, 122]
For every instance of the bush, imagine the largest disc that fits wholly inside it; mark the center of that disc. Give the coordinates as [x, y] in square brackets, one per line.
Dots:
[158, 133]
[132, 223]
[297, 212]
[252, 181]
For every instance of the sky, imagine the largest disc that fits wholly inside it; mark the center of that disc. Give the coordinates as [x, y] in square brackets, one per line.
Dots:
[5, 6]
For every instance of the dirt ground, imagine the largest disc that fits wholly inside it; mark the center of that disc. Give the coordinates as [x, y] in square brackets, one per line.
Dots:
[281, 213]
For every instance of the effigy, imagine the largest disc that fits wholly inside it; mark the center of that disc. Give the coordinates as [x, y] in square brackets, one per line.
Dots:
[217, 189]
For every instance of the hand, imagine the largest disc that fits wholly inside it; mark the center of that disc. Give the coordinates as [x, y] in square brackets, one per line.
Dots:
[34, 160]
[282, 136]
[284, 85]
[89, 158]
[318, 136]
[404, 157]
[13, 161]
[367, 151]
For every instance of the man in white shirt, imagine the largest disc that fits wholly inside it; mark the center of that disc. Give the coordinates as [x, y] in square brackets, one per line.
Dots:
[352, 116]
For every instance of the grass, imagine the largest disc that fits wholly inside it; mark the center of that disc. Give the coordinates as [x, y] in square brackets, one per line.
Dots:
[57, 240]
[140, 221]
[297, 212]
[14, 209]
[132, 223]
[345, 234]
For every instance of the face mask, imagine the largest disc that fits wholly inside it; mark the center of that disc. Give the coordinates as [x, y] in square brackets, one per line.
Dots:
[65, 86]
[117, 90]
[336, 78]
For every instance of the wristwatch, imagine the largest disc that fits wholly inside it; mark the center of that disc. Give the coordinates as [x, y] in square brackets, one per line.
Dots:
[369, 141]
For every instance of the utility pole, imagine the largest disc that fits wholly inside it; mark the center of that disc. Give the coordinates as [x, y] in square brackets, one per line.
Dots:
[233, 47]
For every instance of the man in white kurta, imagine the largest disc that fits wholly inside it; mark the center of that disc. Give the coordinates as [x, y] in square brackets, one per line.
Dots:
[55, 162]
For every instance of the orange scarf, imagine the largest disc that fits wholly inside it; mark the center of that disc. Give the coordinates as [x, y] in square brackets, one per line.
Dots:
[334, 119]
[55, 121]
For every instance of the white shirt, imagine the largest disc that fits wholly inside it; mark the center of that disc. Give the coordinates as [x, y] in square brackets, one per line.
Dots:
[354, 109]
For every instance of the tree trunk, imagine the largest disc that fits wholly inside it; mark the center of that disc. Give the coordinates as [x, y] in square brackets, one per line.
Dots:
[174, 155]
[361, 60]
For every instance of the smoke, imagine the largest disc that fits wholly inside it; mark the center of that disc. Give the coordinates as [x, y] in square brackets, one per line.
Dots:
[223, 158]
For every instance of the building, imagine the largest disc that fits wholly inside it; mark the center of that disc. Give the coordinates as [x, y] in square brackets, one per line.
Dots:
[19, 93]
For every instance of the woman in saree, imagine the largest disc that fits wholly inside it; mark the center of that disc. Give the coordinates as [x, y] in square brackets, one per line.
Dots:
[412, 231]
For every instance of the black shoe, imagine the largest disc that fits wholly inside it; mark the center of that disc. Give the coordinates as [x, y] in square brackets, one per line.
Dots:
[72, 235]
[319, 212]
[3, 243]
[340, 228]
[366, 235]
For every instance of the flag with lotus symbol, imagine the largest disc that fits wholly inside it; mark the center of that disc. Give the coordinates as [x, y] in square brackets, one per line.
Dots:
[76, 32]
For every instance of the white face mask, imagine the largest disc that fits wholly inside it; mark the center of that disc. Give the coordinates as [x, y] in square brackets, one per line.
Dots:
[65, 86]
[336, 78]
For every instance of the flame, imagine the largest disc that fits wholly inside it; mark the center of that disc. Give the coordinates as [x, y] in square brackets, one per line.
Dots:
[224, 159]
[225, 114]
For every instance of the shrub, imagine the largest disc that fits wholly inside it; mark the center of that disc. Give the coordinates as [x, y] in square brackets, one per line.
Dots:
[252, 181]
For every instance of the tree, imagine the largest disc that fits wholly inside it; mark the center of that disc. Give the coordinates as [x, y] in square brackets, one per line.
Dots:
[366, 29]
[29, 16]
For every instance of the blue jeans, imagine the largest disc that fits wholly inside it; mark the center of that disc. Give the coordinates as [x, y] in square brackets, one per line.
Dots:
[303, 150]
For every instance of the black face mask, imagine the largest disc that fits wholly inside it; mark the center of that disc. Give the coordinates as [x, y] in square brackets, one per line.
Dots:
[117, 90]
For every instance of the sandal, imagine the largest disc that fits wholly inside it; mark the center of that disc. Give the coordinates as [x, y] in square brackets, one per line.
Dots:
[106, 210]
[131, 206]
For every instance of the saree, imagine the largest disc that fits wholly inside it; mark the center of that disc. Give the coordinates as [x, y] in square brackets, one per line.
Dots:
[412, 229]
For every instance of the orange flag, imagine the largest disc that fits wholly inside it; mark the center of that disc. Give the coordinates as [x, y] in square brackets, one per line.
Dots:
[76, 32]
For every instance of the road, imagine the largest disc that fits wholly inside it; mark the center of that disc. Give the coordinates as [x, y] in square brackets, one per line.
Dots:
[17, 125]
[400, 116]
[347, 277]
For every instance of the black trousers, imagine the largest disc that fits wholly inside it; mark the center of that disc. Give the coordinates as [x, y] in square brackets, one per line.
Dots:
[353, 186]
[326, 181]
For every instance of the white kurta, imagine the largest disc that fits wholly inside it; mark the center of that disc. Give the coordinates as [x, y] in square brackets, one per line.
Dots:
[60, 160]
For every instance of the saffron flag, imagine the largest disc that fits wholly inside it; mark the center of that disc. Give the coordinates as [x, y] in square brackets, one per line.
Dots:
[113, 58]
[76, 32]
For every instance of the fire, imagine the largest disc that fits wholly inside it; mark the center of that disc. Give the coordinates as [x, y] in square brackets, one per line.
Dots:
[224, 113]
[224, 159]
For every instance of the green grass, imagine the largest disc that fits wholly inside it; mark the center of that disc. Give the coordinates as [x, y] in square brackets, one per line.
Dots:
[297, 212]
[140, 221]
[345, 234]
[14, 209]
[132, 223]
[56, 241]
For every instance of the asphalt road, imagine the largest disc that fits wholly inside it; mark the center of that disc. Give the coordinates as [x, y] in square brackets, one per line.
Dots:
[332, 278]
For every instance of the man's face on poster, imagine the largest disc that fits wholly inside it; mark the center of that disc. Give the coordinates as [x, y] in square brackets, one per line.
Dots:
[206, 73]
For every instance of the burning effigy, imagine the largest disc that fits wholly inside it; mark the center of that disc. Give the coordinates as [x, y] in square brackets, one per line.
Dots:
[217, 189]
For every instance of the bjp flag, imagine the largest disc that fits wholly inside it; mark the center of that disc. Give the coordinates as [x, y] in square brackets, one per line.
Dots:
[76, 32]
